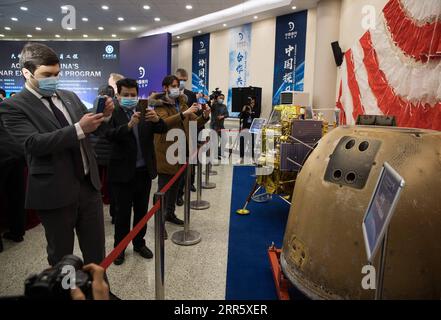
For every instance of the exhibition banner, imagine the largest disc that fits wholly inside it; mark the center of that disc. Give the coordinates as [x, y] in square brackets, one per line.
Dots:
[289, 59]
[239, 53]
[148, 60]
[201, 63]
[85, 66]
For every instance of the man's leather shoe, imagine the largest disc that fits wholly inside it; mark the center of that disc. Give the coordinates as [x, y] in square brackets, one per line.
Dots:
[193, 188]
[120, 260]
[180, 202]
[13, 237]
[144, 252]
[173, 219]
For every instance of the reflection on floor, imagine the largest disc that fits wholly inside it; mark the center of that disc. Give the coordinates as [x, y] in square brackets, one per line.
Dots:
[196, 272]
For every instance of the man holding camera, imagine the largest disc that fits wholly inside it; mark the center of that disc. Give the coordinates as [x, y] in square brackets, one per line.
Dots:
[52, 127]
[132, 165]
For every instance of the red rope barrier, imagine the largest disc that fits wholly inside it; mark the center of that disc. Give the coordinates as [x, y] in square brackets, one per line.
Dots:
[175, 177]
[132, 234]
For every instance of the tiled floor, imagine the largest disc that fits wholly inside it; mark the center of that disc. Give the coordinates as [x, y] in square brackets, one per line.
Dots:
[195, 272]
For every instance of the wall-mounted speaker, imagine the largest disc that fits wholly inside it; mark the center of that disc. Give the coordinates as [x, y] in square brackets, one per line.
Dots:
[338, 54]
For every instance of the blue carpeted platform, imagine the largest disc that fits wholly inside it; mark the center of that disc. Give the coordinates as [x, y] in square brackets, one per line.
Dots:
[249, 273]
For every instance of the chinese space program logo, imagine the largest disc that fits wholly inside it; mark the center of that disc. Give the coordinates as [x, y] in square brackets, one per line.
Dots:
[109, 55]
[109, 49]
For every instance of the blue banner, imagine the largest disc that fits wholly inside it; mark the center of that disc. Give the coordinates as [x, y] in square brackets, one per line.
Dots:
[289, 59]
[85, 66]
[148, 60]
[200, 63]
[240, 49]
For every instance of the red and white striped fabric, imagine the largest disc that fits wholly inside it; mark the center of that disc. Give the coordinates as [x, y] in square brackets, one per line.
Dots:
[396, 68]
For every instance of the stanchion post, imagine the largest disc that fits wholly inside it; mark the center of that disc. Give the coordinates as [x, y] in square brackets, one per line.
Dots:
[207, 184]
[199, 204]
[187, 196]
[159, 246]
[186, 237]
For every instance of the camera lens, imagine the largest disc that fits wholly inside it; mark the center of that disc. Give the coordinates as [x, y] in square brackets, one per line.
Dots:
[71, 260]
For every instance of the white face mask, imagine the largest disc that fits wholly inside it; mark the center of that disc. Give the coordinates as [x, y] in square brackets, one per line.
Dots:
[173, 93]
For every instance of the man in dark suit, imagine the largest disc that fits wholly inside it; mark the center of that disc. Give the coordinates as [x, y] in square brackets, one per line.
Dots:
[63, 183]
[132, 164]
[12, 186]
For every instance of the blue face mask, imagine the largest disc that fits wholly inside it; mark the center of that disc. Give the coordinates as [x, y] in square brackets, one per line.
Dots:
[129, 103]
[47, 86]
[181, 85]
[174, 93]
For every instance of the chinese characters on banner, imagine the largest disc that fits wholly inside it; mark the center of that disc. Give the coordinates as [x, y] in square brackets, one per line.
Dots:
[200, 63]
[240, 48]
[289, 59]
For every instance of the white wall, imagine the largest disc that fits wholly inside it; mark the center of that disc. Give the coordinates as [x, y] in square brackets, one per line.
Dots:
[219, 61]
[325, 76]
[184, 51]
[351, 28]
[311, 34]
[263, 43]
[351, 15]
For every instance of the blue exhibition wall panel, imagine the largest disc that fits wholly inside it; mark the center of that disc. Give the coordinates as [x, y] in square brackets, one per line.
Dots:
[289, 60]
[148, 60]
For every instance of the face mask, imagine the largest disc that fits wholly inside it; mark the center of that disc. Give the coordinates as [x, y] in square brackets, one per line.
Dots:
[182, 85]
[129, 103]
[173, 93]
[47, 86]
[220, 101]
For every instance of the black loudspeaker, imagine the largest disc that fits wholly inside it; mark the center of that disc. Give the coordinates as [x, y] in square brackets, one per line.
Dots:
[240, 96]
[338, 54]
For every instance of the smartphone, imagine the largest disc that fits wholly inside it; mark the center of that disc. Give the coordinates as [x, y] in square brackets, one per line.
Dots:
[100, 104]
[203, 103]
[144, 105]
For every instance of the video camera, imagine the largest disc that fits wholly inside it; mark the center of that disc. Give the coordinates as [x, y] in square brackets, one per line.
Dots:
[55, 283]
[215, 94]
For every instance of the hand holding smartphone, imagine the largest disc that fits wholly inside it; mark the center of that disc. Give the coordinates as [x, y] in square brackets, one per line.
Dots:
[203, 103]
[100, 104]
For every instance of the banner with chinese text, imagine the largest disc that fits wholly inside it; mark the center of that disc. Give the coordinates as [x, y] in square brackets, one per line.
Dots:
[289, 59]
[200, 63]
[240, 49]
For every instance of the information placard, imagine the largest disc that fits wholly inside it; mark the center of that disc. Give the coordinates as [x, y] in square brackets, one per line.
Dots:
[257, 125]
[381, 208]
